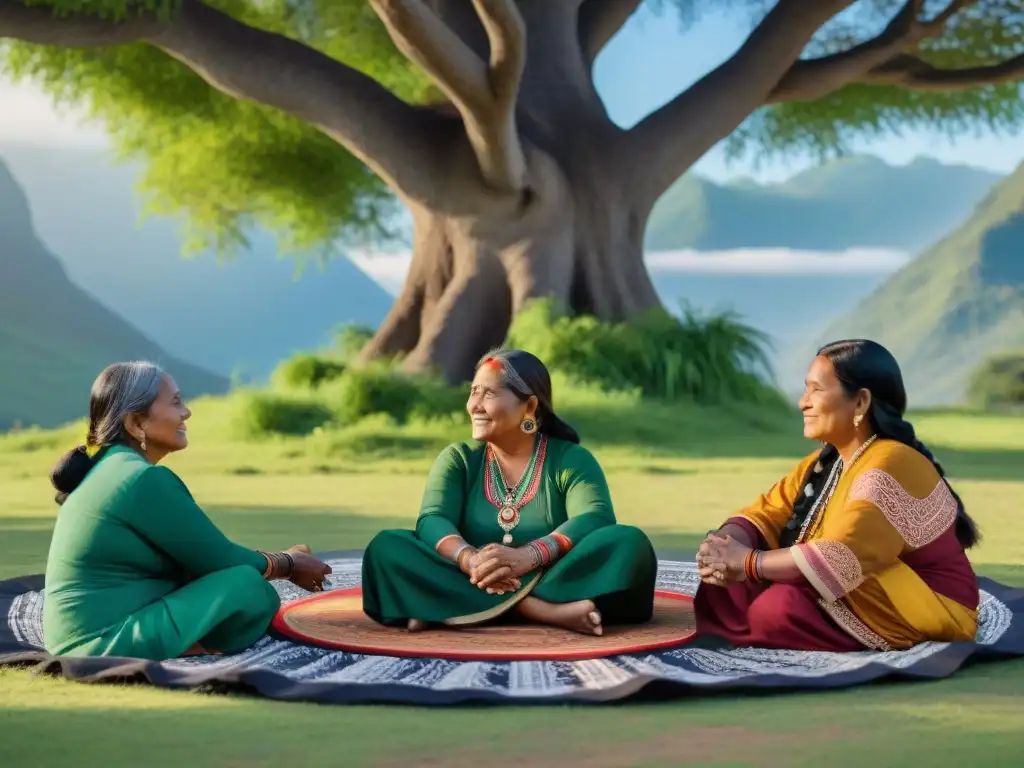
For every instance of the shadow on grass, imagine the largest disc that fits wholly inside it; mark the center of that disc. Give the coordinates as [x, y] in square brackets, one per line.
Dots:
[1010, 574]
[980, 463]
[25, 540]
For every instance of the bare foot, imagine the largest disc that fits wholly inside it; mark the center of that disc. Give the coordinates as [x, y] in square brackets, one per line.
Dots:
[416, 625]
[581, 616]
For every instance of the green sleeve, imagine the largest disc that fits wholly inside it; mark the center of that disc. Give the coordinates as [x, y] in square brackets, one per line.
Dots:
[588, 503]
[444, 498]
[163, 511]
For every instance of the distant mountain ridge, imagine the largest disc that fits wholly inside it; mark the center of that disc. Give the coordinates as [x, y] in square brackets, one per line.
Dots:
[55, 337]
[953, 306]
[241, 316]
[854, 202]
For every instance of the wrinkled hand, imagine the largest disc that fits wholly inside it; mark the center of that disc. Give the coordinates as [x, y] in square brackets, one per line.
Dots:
[308, 571]
[495, 564]
[720, 560]
[465, 564]
[708, 574]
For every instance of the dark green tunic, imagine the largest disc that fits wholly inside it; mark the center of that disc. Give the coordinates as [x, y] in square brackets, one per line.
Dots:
[137, 569]
[404, 577]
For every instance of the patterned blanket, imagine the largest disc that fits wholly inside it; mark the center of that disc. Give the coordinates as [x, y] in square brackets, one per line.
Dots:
[280, 669]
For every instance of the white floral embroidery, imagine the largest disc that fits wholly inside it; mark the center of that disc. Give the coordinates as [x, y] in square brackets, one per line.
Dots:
[919, 521]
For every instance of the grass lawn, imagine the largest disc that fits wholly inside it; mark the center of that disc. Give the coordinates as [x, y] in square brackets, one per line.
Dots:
[334, 492]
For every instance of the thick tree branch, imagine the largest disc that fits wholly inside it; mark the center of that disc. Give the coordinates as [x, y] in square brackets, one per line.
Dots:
[599, 22]
[484, 93]
[395, 139]
[813, 78]
[914, 74]
[667, 142]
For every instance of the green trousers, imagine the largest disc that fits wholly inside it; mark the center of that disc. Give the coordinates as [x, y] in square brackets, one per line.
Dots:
[404, 578]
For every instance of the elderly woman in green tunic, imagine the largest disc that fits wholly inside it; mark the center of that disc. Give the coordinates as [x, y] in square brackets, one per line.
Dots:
[517, 522]
[135, 567]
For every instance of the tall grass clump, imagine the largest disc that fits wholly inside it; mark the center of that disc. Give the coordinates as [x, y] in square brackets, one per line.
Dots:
[350, 340]
[257, 414]
[379, 389]
[998, 383]
[306, 371]
[704, 358]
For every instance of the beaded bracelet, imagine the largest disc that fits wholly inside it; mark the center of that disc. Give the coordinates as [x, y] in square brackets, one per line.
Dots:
[280, 565]
[752, 565]
[550, 548]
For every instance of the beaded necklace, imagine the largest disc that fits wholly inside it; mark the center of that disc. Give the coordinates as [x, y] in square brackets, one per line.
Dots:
[838, 470]
[510, 500]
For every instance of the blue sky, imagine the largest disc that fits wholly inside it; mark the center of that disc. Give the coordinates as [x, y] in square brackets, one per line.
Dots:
[652, 59]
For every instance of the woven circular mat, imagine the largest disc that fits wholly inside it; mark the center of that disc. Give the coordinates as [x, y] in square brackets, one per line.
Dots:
[336, 620]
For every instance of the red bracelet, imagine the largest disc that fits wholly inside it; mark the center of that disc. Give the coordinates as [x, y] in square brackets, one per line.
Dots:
[752, 565]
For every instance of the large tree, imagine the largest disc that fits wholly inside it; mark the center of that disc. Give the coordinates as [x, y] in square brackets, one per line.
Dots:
[481, 116]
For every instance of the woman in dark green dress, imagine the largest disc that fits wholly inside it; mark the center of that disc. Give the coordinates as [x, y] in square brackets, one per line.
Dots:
[136, 568]
[519, 520]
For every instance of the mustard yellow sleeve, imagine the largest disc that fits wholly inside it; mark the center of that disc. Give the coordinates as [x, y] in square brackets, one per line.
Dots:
[771, 511]
[896, 502]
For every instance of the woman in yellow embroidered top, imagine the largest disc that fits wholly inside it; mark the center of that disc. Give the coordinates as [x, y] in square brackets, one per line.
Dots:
[862, 545]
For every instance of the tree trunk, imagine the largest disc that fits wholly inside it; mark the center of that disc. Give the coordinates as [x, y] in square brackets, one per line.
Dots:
[575, 238]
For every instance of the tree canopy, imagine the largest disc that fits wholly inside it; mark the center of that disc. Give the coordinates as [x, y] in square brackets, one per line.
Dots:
[223, 163]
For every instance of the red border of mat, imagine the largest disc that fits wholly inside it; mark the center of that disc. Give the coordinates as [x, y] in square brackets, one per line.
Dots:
[279, 625]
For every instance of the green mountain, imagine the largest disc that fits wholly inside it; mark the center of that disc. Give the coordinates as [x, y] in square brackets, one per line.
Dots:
[956, 304]
[54, 337]
[855, 202]
[241, 315]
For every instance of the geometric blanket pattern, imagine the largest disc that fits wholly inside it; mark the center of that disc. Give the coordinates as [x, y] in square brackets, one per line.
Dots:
[281, 669]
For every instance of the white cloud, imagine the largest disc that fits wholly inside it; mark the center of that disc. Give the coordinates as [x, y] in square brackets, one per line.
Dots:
[779, 261]
[389, 269]
[28, 116]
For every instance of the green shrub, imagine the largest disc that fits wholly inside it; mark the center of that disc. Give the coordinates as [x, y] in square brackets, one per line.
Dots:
[351, 339]
[259, 414]
[307, 371]
[998, 382]
[365, 391]
[378, 389]
[706, 358]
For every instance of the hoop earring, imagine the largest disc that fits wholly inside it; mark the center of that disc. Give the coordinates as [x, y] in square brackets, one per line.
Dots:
[529, 426]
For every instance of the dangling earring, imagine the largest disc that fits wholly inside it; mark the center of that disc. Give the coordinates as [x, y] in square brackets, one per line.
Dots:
[142, 442]
[857, 420]
[529, 426]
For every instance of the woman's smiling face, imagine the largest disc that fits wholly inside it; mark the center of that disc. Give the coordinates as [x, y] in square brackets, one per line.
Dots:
[494, 410]
[164, 425]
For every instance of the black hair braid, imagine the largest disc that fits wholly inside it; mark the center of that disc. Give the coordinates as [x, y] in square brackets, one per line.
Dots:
[814, 481]
[889, 423]
[967, 532]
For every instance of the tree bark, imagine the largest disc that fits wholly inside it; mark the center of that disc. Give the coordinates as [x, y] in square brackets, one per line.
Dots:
[577, 240]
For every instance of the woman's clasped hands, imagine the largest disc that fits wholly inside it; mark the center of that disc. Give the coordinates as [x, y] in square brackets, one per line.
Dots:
[498, 569]
[720, 560]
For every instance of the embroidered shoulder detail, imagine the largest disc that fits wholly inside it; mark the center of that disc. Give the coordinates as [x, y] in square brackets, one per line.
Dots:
[831, 567]
[919, 521]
